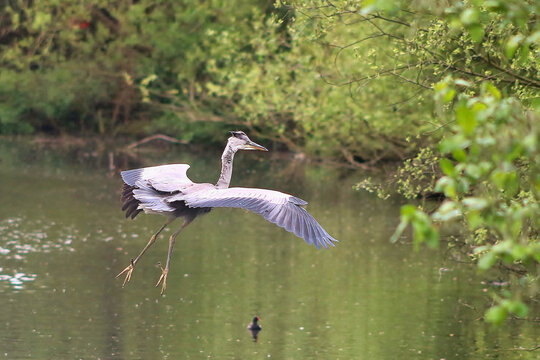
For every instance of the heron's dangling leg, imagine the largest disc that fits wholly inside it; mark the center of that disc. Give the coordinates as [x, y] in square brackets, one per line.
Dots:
[164, 272]
[129, 269]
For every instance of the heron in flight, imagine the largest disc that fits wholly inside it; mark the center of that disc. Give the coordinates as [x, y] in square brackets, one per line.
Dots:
[167, 190]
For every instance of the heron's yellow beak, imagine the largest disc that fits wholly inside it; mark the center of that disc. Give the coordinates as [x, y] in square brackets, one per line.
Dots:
[254, 146]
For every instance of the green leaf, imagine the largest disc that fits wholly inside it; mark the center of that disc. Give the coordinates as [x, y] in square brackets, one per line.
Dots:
[464, 83]
[460, 155]
[469, 16]
[474, 219]
[512, 45]
[489, 88]
[518, 308]
[535, 103]
[512, 184]
[419, 234]
[368, 6]
[474, 171]
[408, 212]
[447, 185]
[475, 203]
[432, 237]
[41, 20]
[480, 249]
[519, 251]
[496, 315]
[399, 230]
[502, 247]
[447, 211]
[449, 95]
[463, 185]
[477, 32]
[523, 55]
[487, 260]
[453, 143]
[506, 181]
[447, 166]
[466, 118]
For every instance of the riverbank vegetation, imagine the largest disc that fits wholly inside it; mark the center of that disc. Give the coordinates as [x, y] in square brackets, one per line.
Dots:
[450, 92]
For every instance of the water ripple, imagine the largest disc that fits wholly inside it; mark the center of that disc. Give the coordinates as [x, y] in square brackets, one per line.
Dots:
[19, 237]
[17, 279]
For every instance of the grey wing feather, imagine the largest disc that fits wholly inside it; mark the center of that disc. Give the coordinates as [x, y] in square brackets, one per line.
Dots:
[154, 185]
[281, 209]
[131, 176]
[168, 178]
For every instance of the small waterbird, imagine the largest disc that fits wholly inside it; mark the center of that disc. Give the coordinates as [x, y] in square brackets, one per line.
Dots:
[254, 325]
[254, 328]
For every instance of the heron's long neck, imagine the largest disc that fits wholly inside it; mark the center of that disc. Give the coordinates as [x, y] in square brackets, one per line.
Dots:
[226, 168]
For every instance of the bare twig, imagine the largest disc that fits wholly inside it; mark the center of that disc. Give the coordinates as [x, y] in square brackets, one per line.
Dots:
[410, 81]
[534, 348]
[401, 22]
[520, 78]
[376, 75]
[350, 158]
[155, 137]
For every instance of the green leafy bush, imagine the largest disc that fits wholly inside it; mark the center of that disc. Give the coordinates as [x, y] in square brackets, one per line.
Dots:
[491, 182]
[484, 56]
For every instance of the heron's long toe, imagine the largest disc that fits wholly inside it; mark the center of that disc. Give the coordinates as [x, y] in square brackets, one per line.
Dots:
[163, 279]
[128, 271]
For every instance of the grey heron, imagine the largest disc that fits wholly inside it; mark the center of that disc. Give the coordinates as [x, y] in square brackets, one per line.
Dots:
[167, 190]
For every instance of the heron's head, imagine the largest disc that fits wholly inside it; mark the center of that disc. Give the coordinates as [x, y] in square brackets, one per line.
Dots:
[240, 141]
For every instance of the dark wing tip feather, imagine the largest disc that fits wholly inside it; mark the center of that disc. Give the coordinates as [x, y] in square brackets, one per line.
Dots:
[129, 204]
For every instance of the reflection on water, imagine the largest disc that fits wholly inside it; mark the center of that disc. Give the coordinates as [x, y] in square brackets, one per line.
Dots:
[255, 334]
[19, 237]
[16, 280]
[63, 238]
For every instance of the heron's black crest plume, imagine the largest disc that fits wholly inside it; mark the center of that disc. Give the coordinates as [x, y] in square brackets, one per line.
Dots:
[239, 135]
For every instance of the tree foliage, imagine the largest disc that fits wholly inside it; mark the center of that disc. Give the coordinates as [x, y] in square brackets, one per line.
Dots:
[489, 150]
[95, 66]
[321, 86]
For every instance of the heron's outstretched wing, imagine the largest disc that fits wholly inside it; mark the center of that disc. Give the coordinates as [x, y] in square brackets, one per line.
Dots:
[282, 209]
[148, 188]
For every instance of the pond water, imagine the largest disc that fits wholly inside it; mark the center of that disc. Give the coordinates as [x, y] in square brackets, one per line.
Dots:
[63, 239]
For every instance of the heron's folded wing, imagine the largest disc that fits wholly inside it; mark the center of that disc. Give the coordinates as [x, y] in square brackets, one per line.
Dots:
[281, 209]
[166, 178]
[150, 187]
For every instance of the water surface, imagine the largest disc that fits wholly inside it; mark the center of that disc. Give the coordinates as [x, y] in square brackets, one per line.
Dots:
[63, 238]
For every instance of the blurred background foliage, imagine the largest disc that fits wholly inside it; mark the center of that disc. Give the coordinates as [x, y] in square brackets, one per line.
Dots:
[451, 90]
[192, 69]
[112, 67]
[347, 81]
